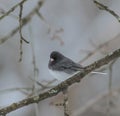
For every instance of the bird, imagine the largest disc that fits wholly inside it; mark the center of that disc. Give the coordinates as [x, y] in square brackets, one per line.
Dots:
[62, 67]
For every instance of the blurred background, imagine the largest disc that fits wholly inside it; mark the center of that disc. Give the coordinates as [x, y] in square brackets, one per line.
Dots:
[77, 29]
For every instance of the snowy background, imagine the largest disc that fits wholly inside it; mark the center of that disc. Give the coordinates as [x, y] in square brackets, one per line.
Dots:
[70, 27]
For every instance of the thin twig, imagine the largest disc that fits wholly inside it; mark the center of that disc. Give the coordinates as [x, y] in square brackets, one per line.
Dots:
[103, 7]
[15, 89]
[40, 84]
[12, 9]
[25, 21]
[50, 28]
[20, 28]
[35, 68]
[43, 87]
[20, 31]
[110, 92]
[40, 15]
[66, 103]
[97, 48]
[60, 87]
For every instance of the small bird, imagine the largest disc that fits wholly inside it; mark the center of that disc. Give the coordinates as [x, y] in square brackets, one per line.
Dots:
[62, 67]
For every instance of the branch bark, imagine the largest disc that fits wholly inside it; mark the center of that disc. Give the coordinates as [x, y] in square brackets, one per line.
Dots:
[60, 87]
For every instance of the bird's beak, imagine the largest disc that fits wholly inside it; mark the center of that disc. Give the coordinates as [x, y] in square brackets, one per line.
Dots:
[51, 59]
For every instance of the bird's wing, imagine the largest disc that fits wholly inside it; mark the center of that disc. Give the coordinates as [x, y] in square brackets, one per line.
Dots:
[70, 67]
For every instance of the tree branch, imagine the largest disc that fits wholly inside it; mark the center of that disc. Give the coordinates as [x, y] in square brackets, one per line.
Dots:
[60, 87]
[12, 9]
[103, 7]
[25, 21]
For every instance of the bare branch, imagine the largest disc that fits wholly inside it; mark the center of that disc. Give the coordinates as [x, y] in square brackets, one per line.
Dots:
[60, 87]
[66, 103]
[25, 21]
[97, 48]
[110, 92]
[15, 89]
[12, 9]
[103, 7]
[20, 31]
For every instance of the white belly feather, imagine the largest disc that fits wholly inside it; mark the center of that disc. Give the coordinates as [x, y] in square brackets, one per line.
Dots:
[60, 76]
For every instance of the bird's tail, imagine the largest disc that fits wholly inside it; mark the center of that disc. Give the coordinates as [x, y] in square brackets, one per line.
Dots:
[101, 73]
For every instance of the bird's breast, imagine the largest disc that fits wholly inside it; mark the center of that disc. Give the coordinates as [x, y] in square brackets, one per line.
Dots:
[59, 75]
